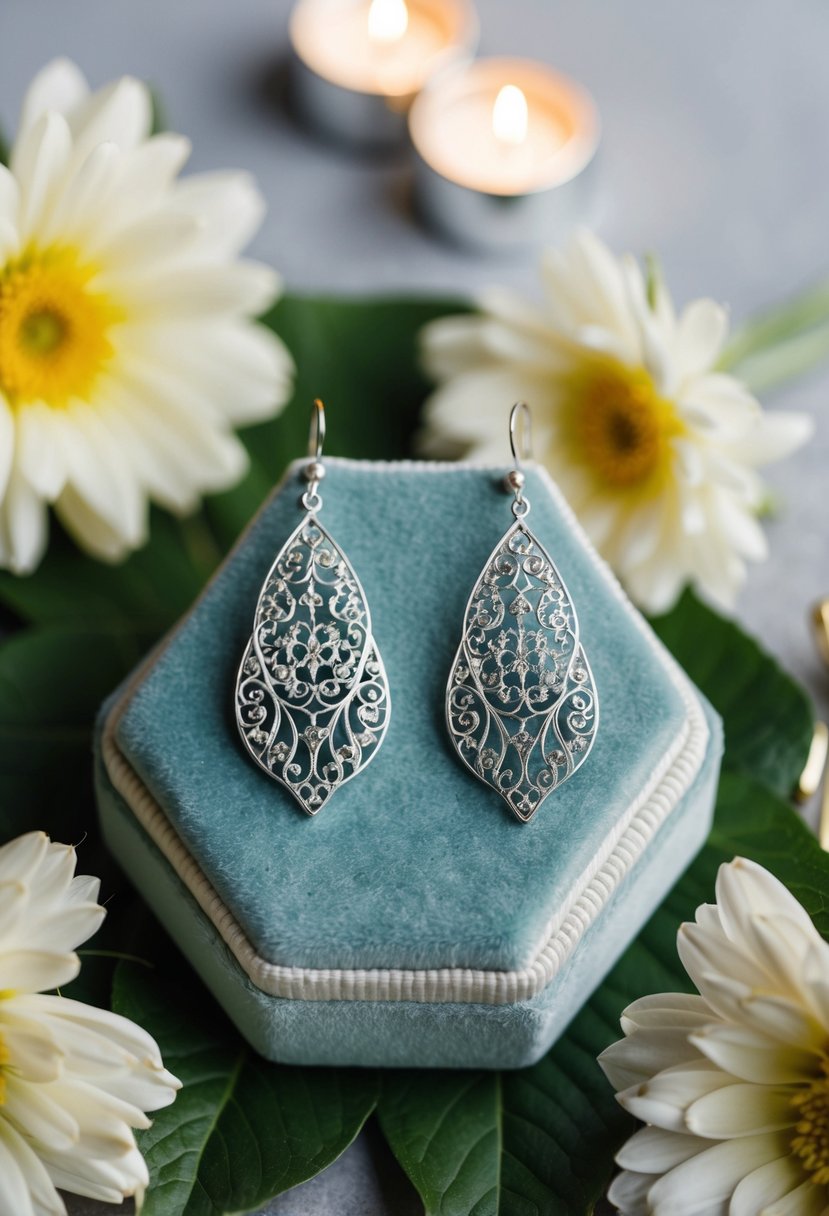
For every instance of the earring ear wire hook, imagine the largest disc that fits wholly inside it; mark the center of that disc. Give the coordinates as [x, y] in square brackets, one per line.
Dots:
[521, 410]
[314, 471]
[521, 451]
[316, 435]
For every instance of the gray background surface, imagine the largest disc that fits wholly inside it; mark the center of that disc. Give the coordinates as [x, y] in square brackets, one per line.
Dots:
[714, 154]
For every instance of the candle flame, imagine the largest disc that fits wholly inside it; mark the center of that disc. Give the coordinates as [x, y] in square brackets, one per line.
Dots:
[388, 20]
[510, 115]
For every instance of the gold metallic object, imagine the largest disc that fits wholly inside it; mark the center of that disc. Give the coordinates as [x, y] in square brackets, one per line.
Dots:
[820, 622]
[810, 779]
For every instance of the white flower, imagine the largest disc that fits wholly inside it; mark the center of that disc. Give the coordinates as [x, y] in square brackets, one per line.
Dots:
[733, 1083]
[127, 352]
[74, 1080]
[654, 448]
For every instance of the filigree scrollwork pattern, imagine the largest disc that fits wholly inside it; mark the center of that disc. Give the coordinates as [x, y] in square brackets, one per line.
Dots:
[312, 698]
[521, 704]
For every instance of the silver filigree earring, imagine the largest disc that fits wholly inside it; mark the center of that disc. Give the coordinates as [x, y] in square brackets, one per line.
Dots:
[312, 698]
[521, 706]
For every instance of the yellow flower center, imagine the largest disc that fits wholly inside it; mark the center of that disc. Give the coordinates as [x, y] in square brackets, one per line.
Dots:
[811, 1139]
[619, 427]
[54, 328]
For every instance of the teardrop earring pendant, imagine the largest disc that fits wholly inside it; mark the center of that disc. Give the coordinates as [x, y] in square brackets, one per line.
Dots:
[521, 705]
[312, 698]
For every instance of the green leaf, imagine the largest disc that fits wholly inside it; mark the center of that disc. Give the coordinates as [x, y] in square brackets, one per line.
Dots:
[361, 357]
[52, 682]
[241, 1130]
[768, 718]
[540, 1141]
[783, 328]
[455, 1174]
[147, 592]
[4, 149]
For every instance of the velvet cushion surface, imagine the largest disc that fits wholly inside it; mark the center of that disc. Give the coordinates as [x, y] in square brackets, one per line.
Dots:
[414, 864]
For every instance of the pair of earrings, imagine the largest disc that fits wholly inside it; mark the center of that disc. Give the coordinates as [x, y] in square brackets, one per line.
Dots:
[312, 695]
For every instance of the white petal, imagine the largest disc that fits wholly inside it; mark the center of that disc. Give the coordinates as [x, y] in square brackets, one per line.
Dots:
[39, 162]
[90, 531]
[805, 1200]
[629, 1192]
[667, 1009]
[752, 1056]
[60, 86]
[9, 197]
[740, 1110]
[23, 526]
[653, 1151]
[7, 443]
[704, 1185]
[765, 1185]
[663, 1100]
[641, 1055]
[784, 1019]
[237, 288]
[45, 1199]
[701, 332]
[229, 208]
[100, 480]
[37, 970]
[120, 113]
[473, 410]
[745, 889]
[776, 435]
[452, 345]
[36, 1056]
[15, 1199]
[38, 1117]
[39, 453]
[22, 856]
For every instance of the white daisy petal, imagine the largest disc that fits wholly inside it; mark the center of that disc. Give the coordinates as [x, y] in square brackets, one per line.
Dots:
[37, 970]
[39, 163]
[701, 333]
[75, 1081]
[740, 1110]
[121, 113]
[125, 265]
[39, 455]
[228, 206]
[753, 1104]
[655, 448]
[663, 1100]
[9, 197]
[805, 1200]
[703, 1185]
[753, 1056]
[628, 1193]
[60, 86]
[15, 1196]
[22, 526]
[653, 1151]
[764, 1186]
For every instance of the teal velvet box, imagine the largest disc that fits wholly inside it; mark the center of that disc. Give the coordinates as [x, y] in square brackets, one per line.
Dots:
[414, 921]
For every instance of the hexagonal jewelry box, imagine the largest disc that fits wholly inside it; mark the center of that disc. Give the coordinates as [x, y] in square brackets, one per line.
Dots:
[414, 922]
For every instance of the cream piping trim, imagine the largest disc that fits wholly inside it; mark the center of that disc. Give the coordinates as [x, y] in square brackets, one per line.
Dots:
[619, 853]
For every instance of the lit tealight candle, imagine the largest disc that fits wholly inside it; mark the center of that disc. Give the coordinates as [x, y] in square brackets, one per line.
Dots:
[359, 63]
[501, 147]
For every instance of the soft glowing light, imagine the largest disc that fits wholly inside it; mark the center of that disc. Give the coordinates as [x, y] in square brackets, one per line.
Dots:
[509, 115]
[388, 20]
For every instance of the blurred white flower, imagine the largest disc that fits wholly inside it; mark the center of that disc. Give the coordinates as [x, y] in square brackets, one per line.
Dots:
[127, 350]
[654, 448]
[733, 1083]
[74, 1080]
